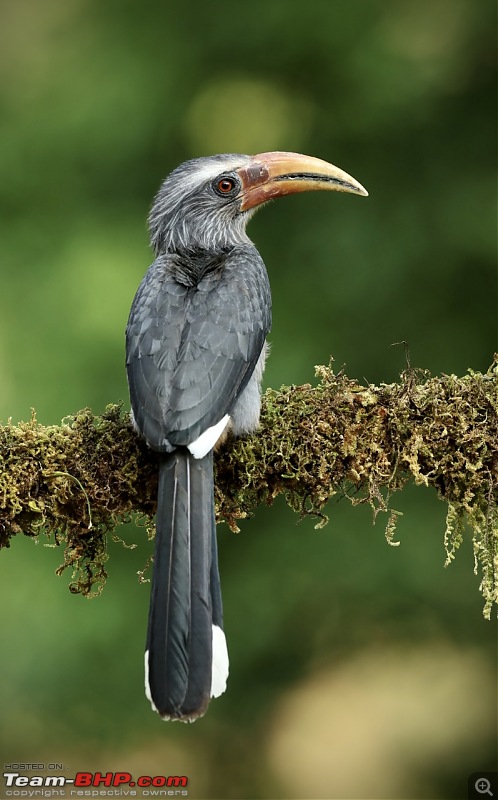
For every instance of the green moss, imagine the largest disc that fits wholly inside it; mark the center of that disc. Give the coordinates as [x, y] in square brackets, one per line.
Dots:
[75, 482]
[367, 443]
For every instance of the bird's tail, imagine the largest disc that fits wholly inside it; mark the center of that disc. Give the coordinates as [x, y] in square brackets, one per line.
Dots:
[186, 659]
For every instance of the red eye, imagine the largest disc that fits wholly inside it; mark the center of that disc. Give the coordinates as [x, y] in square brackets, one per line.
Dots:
[225, 185]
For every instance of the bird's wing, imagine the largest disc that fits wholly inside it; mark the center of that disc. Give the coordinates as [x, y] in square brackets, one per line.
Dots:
[192, 349]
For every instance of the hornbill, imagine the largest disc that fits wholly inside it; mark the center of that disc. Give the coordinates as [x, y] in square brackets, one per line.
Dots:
[196, 349]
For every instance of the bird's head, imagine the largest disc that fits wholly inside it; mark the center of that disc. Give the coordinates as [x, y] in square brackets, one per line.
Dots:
[208, 201]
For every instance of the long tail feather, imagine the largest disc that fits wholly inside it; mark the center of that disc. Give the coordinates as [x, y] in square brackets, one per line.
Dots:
[186, 661]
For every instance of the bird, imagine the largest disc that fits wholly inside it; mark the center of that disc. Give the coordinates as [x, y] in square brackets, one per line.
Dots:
[196, 345]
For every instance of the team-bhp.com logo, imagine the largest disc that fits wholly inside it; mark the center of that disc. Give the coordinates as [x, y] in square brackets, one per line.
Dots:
[94, 784]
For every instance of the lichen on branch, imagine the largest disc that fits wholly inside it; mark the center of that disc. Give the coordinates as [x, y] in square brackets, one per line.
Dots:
[76, 482]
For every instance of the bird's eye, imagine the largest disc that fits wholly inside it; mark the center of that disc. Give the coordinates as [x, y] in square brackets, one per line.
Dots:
[225, 186]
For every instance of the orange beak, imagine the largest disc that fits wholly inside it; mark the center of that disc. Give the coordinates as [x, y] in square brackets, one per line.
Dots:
[271, 175]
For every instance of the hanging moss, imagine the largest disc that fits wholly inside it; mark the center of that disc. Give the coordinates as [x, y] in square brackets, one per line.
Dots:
[75, 482]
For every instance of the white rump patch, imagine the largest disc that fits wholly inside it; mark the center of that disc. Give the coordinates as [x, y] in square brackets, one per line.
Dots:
[147, 685]
[219, 669]
[207, 440]
[134, 423]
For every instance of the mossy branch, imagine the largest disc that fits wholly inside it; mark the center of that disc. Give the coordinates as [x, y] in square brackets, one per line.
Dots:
[75, 482]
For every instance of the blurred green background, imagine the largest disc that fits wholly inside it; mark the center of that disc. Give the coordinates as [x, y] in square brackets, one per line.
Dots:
[358, 670]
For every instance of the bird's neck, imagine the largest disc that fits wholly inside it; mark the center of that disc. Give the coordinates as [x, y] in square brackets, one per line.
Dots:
[189, 265]
[213, 236]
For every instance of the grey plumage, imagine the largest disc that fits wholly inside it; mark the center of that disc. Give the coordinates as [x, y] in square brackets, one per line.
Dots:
[195, 335]
[196, 349]
[182, 610]
[197, 328]
[185, 213]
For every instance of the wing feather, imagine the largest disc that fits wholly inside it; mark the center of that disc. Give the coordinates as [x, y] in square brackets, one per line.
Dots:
[192, 349]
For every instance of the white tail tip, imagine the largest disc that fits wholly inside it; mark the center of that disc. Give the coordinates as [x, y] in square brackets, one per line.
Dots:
[219, 671]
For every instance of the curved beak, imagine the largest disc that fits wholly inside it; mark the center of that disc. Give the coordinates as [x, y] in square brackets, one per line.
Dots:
[270, 175]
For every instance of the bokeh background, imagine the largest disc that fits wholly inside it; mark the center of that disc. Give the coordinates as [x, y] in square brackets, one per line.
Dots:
[358, 670]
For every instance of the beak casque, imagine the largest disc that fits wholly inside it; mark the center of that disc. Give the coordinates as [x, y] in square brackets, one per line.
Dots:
[270, 175]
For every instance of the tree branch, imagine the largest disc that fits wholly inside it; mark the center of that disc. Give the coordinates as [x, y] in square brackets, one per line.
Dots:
[77, 481]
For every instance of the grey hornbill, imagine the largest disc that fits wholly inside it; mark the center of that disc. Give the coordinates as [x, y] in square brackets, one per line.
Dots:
[196, 347]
